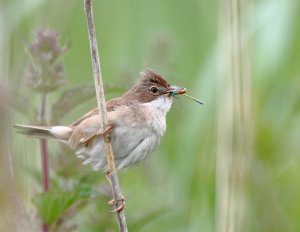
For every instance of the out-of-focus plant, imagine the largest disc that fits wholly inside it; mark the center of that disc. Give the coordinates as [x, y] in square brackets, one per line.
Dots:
[73, 186]
[45, 73]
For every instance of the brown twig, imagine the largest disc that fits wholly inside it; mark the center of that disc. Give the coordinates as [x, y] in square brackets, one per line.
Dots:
[102, 113]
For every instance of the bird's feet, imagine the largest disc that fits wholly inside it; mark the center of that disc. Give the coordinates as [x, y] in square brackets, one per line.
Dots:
[98, 133]
[119, 204]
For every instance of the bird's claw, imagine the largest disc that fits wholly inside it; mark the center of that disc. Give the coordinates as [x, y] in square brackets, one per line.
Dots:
[98, 133]
[120, 204]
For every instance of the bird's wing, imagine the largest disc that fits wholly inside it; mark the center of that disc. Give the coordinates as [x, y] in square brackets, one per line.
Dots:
[110, 106]
[86, 129]
[87, 115]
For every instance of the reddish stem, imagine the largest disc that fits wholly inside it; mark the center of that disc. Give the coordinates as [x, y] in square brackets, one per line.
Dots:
[45, 164]
[44, 153]
[45, 227]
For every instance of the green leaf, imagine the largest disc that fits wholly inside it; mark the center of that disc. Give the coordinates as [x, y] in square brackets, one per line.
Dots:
[71, 98]
[52, 205]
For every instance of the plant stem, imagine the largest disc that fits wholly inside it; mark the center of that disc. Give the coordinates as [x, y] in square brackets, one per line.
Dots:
[44, 152]
[102, 113]
[234, 138]
[45, 165]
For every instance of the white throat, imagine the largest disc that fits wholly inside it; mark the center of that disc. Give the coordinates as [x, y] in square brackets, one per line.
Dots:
[162, 103]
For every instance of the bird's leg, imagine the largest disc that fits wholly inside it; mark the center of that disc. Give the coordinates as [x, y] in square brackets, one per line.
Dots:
[118, 203]
[107, 173]
[121, 202]
[107, 130]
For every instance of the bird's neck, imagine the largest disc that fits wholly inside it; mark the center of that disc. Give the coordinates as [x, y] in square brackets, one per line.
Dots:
[155, 112]
[162, 104]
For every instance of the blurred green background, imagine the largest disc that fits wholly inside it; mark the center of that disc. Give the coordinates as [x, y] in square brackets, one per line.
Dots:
[231, 165]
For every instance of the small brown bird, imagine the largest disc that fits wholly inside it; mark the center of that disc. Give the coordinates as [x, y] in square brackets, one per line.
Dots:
[137, 122]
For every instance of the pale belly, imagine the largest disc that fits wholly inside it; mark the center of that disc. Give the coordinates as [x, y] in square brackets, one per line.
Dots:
[130, 147]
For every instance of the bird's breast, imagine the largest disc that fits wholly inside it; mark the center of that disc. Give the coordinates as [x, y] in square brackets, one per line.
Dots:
[137, 131]
[156, 121]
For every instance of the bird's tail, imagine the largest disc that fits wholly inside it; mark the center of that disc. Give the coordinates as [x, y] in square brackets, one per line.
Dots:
[55, 132]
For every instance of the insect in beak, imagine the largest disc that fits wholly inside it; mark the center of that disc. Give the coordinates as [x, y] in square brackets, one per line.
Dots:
[174, 90]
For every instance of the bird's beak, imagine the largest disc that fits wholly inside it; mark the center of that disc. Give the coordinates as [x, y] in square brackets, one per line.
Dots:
[175, 90]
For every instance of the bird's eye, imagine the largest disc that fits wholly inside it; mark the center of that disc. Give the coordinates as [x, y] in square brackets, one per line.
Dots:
[153, 89]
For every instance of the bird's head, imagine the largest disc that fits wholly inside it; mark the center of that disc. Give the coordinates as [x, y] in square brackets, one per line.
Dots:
[152, 86]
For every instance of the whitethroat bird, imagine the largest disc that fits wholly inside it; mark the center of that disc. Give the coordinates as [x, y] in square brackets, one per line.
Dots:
[137, 122]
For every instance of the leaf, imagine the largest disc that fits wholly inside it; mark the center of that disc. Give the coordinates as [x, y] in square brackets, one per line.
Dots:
[71, 98]
[68, 100]
[51, 205]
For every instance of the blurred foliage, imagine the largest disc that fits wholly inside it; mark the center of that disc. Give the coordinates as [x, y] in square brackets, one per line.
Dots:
[51, 205]
[45, 73]
[175, 190]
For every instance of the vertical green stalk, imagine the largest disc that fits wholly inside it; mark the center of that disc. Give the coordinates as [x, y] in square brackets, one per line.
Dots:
[234, 121]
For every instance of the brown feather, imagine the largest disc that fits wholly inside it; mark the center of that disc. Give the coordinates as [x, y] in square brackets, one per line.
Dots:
[139, 93]
[110, 106]
[34, 131]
